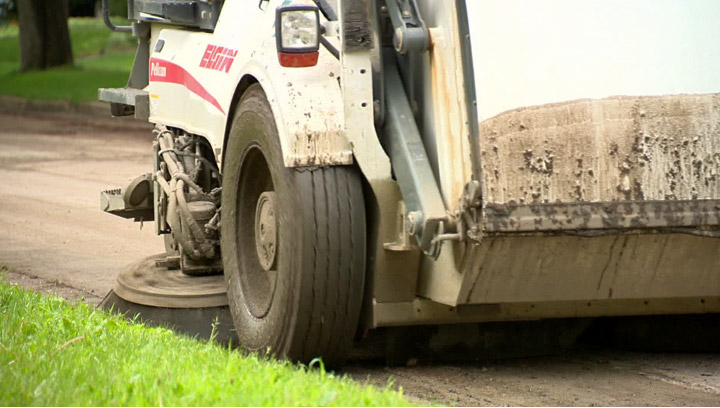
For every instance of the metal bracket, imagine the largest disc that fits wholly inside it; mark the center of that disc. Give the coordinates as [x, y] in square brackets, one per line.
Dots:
[402, 237]
[131, 100]
[126, 101]
[420, 191]
[132, 201]
[410, 33]
[469, 212]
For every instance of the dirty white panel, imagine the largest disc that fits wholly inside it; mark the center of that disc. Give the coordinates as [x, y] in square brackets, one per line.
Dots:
[613, 149]
[537, 52]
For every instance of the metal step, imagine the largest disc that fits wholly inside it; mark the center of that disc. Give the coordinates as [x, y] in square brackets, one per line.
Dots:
[126, 101]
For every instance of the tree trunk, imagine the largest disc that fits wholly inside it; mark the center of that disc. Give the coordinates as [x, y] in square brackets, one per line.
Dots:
[44, 34]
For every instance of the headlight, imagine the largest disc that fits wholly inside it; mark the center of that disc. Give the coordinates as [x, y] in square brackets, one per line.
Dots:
[297, 31]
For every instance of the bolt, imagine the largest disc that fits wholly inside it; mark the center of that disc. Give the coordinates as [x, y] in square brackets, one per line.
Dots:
[406, 13]
[398, 40]
[413, 222]
[377, 110]
[383, 9]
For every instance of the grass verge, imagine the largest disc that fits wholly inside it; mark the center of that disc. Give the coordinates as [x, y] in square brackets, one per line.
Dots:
[56, 354]
[102, 59]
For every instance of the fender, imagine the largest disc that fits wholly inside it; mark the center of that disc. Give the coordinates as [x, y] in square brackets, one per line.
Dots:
[308, 109]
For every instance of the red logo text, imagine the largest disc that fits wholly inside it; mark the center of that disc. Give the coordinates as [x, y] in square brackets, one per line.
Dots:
[218, 58]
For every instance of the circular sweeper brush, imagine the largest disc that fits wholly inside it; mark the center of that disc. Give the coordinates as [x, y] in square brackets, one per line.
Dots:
[160, 294]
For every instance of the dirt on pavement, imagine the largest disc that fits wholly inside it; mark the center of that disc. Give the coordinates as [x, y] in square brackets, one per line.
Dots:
[597, 378]
[53, 167]
[54, 238]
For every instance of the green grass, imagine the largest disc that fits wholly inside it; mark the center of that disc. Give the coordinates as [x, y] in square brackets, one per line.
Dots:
[102, 60]
[56, 354]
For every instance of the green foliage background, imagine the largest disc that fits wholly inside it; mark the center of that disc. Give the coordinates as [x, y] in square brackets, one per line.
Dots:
[102, 60]
[78, 8]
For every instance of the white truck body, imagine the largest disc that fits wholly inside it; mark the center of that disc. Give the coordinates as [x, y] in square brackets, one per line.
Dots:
[195, 76]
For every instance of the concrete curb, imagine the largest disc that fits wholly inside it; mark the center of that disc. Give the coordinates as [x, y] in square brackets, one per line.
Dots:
[14, 104]
[94, 111]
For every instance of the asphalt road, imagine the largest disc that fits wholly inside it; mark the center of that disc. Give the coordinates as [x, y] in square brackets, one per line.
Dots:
[54, 238]
[53, 168]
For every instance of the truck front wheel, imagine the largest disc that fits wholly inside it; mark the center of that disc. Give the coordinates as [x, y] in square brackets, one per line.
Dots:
[293, 244]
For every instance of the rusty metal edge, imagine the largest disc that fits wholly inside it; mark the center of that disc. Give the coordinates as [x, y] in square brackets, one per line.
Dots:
[90, 110]
[470, 89]
[600, 215]
[15, 104]
[356, 24]
[423, 311]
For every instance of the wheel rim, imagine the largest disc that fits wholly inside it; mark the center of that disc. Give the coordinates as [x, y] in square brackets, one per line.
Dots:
[257, 231]
[266, 230]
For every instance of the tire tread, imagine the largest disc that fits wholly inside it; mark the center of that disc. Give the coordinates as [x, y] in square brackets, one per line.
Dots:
[328, 252]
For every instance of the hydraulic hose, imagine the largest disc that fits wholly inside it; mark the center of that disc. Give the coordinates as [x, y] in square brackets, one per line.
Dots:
[173, 218]
[167, 153]
[213, 167]
[206, 248]
[184, 177]
[177, 203]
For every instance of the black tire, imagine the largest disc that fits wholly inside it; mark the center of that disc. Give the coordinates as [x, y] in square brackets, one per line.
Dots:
[308, 304]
